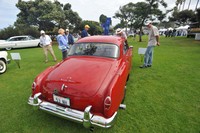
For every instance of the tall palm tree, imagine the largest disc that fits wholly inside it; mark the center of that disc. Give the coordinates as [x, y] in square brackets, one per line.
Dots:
[183, 4]
[197, 5]
[189, 4]
[179, 4]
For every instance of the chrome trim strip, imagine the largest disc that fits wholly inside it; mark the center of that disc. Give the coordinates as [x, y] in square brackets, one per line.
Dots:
[86, 118]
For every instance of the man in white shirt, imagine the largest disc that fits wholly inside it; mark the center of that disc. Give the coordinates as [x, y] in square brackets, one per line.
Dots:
[46, 41]
[152, 42]
[122, 34]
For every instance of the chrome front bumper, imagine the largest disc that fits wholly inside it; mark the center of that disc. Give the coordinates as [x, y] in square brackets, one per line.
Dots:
[86, 118]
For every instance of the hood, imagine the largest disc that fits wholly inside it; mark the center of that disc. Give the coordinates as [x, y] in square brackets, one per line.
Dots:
[80, 77]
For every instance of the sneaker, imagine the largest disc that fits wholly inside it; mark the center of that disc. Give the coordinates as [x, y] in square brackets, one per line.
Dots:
[143, 66]
[148, 65]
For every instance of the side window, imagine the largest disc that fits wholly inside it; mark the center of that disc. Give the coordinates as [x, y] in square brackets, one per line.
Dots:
[25, 38]
[12, 39]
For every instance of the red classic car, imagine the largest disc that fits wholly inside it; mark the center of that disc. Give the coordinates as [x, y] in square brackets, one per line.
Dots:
[88, 86]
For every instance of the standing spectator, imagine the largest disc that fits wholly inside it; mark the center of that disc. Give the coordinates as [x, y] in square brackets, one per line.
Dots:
[84, 33]
[170, 33]
[174, 32]
[135, 33]
[62, 42]
[70, 38]
[122, 34]
[166, 33]
[152, 42]
[46, 41]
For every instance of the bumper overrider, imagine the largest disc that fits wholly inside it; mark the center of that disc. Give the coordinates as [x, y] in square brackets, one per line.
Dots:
[86, 118]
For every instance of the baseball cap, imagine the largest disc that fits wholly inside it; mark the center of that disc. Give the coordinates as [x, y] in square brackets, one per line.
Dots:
[67, 30]
[87, 26]
[42, 32]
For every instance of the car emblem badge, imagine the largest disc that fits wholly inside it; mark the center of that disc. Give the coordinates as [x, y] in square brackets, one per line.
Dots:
[63, 87]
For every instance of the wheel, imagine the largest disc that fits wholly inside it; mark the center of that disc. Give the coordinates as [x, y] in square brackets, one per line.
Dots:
[3, 66]
[8, 49]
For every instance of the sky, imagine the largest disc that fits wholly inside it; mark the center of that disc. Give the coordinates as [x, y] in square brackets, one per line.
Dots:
[87, 9]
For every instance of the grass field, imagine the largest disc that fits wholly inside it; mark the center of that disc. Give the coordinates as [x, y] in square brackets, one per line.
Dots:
[162, 99]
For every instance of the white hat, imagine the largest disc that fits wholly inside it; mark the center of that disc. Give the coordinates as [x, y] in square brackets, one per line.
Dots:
[42, 32]
[118, 31]
[148, 22]
[67, 30]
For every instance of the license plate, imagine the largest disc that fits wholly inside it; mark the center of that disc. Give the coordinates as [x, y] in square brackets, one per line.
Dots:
[61, 100]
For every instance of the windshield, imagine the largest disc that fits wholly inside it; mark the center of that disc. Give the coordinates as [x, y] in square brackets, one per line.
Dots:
[95, 49]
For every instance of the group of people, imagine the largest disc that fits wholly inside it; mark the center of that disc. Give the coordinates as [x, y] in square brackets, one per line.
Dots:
[65, 41]
[170, 33]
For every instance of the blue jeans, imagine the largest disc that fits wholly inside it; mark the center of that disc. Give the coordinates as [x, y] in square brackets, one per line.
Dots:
[64, 54]
[148, 57]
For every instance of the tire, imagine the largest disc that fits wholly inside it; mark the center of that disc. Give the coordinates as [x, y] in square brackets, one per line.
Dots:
[8, 49]
[124, 94]
[3, 67]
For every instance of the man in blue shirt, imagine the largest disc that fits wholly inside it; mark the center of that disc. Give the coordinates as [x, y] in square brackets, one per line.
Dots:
[84, 33]
[69, 37]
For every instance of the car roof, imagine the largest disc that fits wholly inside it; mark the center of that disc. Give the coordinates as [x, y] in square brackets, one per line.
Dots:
[19, 36]
[101, 38]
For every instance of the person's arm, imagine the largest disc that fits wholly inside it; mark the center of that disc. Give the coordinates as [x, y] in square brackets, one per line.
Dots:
[156, 33]
[157, 40]
[41, 42]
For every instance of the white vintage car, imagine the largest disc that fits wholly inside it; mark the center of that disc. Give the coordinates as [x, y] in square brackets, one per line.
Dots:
[19, 42]
[3, 61]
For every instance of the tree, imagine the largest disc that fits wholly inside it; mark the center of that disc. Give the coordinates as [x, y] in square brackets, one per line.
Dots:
[95, 28]
[197, 4]
[102, 18]
[183, 4]
[183, 17]
[72, 18]
[198, 15]
[126, 15]
[46, 14]
[178, 4]
[189, 4]
[137, 14]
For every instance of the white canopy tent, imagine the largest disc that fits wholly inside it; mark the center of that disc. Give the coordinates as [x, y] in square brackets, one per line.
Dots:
[182, 30]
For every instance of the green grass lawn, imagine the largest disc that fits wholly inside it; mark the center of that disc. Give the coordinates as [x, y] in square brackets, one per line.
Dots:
[162, 99]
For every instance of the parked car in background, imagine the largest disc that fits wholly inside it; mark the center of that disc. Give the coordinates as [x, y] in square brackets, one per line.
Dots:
[19, 42]
[88, 86]
[3, 61]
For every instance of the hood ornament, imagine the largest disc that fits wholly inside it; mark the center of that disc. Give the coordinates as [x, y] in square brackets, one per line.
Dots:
[63, 87]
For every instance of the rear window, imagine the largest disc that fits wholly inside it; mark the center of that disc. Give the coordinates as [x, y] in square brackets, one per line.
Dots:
[95, 49]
